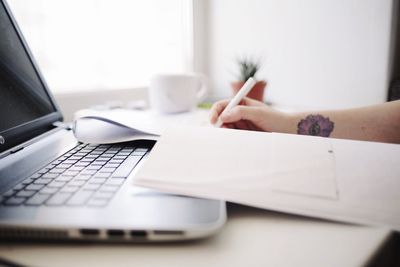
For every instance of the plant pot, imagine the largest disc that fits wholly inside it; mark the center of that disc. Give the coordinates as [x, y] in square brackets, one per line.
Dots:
[256, 93]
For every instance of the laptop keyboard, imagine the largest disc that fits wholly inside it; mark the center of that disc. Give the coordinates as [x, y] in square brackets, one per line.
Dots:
[87, 175]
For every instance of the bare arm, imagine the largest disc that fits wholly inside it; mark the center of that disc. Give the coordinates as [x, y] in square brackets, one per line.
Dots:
[373, 123]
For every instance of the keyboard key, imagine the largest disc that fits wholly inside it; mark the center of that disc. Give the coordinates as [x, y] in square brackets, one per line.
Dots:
[76, 183]
[139, 152]
[116, 161]
[97, 181]
[125, 168]
[102, 159]
[44, 170]
[123, 154]
[35, 176]
[76, 168]
[102, 175]
[58, 199]
[115, 181]
[87, 160]
[75, 158]
[70, 173]
[57, 170]
[88, 172]
[64, 165]
[91, 187]
[98, 163]
[50, 175]
[25, 193]
[18, 187]
[91, 157]
[80, 198]
[34, 187]
[82, 177]
[108, 170]
[48, 190]
[112, 165]
[94, 167]
[27, 181]
[82, 164]
[42, 181]
[13, 201]
[64, 178]
[120, 157]
[9, 193]
[37, 200]
[70, 161]
[69, 189]
[56, 184]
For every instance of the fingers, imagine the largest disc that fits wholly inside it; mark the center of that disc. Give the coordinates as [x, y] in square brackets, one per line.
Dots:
[238, 113]
[217, 109]
[251, 102]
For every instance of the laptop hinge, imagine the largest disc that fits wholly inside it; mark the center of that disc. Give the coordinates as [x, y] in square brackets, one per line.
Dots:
[62, 125]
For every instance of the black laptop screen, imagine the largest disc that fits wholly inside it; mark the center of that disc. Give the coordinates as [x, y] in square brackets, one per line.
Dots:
[23, 97]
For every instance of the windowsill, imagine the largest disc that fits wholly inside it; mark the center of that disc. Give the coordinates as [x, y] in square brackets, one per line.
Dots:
[71, 102]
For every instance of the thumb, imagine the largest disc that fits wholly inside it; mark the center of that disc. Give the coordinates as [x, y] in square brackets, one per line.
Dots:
[241, 113]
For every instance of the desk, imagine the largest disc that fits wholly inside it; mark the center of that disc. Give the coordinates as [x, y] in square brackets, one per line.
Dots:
[251, 237]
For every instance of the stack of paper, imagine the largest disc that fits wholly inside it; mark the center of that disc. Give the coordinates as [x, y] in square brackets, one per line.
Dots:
[335, 179]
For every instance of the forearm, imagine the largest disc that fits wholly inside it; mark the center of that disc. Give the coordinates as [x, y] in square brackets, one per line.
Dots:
[374, 123]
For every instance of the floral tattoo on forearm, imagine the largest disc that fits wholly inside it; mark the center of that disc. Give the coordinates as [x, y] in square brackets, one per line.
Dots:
[316, 125]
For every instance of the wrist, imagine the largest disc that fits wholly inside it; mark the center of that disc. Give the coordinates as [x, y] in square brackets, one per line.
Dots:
[280, 122]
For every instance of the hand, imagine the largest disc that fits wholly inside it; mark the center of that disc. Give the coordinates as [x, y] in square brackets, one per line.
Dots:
[248, 115]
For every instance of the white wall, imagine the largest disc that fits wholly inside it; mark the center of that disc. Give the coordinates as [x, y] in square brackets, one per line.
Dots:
[316, 53]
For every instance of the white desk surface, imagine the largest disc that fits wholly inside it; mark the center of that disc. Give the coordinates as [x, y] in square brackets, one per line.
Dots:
[251, 237]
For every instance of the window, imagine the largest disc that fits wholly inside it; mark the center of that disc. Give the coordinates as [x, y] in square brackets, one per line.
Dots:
[100, 44]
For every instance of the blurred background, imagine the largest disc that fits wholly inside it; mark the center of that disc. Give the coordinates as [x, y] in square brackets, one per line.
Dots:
[313, 53]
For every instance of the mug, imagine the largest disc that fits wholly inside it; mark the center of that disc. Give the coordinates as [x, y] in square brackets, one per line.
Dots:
[173, 93]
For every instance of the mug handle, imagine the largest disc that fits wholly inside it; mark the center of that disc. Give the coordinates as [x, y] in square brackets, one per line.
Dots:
[203, 89]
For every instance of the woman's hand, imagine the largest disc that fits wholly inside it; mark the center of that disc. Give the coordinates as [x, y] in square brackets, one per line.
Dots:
[248, 115]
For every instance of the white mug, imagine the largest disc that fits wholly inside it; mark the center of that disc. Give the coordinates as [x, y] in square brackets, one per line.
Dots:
[173, 93]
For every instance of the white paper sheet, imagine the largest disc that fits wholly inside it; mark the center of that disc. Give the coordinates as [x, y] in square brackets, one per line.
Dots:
[96, 131]
[119, 125]
[311, 159]
[359, 182]
[198, 155]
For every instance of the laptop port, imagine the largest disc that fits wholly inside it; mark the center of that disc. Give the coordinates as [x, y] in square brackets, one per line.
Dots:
[115, 233]
[138, 233]
[89, 232]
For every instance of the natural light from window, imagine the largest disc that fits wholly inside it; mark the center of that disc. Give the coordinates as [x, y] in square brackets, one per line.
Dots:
[99, 44]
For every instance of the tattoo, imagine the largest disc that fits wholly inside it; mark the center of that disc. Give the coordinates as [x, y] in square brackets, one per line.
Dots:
[316, 125]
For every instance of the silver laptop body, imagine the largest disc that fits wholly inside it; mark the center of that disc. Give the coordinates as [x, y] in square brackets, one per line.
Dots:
[41, 197]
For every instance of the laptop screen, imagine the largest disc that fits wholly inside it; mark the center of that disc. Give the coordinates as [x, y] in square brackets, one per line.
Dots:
[23, 97]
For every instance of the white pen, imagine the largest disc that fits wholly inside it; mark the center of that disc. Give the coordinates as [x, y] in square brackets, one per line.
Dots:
[247, 86]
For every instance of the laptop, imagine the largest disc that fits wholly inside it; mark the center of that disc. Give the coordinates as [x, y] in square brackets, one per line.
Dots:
[53, 187]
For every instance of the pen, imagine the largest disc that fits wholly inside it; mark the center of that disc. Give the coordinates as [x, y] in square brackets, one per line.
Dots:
[247, 86]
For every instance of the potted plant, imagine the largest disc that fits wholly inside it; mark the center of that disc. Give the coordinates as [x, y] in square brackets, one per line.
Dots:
[249, 68]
